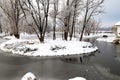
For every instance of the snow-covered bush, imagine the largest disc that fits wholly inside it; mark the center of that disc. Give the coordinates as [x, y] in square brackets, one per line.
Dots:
[57, 47]
[29, 76]
[77, 78]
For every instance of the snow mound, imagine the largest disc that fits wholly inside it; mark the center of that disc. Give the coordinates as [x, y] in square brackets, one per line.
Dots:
[29, 76]
[48, 48]
[9, 37]
[77, 78]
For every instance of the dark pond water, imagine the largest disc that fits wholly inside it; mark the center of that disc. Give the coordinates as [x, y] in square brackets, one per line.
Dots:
[14, 67]
[109, 57]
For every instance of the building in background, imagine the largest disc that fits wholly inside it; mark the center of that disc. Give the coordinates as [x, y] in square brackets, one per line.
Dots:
[117, 25]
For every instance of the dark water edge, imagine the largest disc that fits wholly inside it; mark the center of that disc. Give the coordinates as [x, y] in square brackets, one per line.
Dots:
[108, 57]
[13, 68]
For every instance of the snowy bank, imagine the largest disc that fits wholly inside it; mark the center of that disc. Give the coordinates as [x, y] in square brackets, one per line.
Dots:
[29, 76]
[77, 78]
[108, 39]
[48, 48]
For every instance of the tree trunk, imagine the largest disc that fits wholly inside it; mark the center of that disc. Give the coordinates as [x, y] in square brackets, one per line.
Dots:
[66, 30]
[41, 39]
[54, 35]
[54, 28]
[73, 22]
[73, 27]
[65, 35]
[0, 28]
[81, 37]
[17, 36]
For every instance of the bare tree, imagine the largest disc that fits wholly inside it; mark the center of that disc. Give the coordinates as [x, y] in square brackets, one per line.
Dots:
[90, 26]
[5, 25]
[65, 16]
[69, 15]
[55, 13]
[39, 10]
[0, 28]
[91, 8]
[0, 23]
[76, 8]
[13, 12]
[96, 27]
[67, 19]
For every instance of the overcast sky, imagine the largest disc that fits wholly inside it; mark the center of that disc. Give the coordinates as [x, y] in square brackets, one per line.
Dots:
[112, 13]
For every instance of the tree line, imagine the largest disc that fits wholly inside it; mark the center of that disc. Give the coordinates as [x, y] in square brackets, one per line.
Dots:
[72, 16]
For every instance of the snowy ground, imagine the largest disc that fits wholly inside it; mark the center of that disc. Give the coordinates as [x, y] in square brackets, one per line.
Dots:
[27, 46]
[31, 76]
[32, 47]
[110, 38]
[48, 48]
[99, 35]
[78, 78]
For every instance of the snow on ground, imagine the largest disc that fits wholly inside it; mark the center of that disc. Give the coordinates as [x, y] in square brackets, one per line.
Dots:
[99, 35]
[48, 48]
[2, 34]
[29, 76]
[77, 78]
[27, 46]
[9, 37]
[108, 39]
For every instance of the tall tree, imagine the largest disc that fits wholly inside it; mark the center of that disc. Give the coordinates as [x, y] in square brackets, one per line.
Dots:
[92, 26]
[65, 17]
[39, 10]
[91, 8]
[0, 28]
[0, 23]
[55, 12]
[12, 10]
[76, 8]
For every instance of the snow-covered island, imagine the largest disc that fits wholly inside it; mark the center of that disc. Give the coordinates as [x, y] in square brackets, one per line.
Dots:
[48, 48]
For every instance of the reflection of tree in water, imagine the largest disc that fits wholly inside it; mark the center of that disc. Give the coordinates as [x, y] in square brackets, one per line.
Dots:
[92, 40]
[78, 59]
[117, 50]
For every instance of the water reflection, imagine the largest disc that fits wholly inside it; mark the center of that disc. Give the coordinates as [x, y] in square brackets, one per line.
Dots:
[13, 68]
[79, 59]
[118, 51]
[107, 57]
[16, 60]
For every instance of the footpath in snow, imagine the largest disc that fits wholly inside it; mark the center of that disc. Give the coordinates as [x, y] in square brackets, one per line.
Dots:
[48, 48]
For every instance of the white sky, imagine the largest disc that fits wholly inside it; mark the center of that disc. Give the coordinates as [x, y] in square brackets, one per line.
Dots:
[112, 13]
